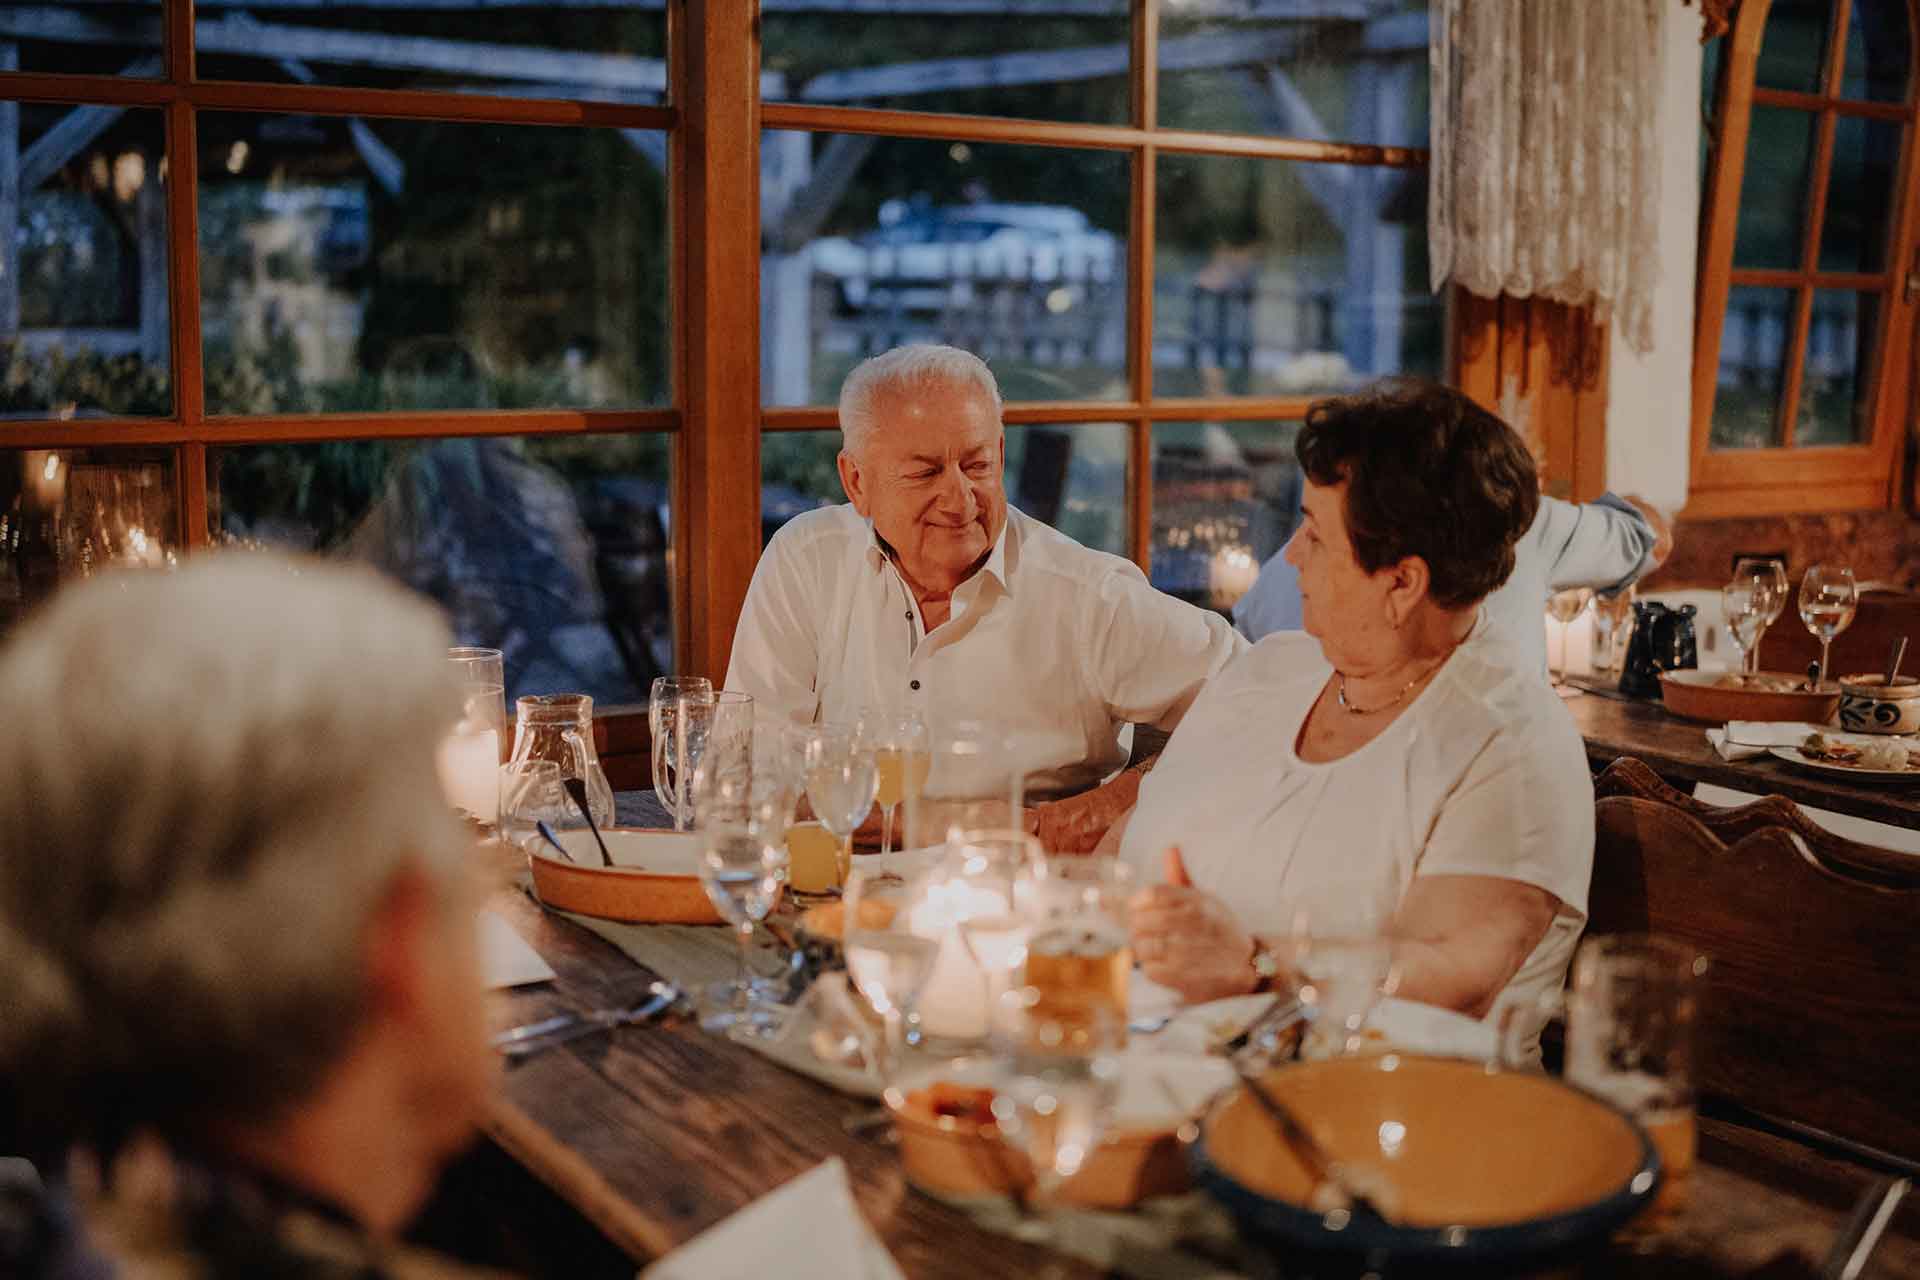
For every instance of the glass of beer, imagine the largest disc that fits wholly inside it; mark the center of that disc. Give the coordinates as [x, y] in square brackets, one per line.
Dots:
[903, 758]
[1631, 1011]
[1079, 956]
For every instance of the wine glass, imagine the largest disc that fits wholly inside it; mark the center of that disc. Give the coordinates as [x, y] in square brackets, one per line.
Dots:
[1340, 946]
[1563, 607]
[1828, 598]
[664, 702]
[1612, 623]
[887, 961]
[900, 754]
[1743, 603]
[742, 870]
[841, 776]
[1771, 573]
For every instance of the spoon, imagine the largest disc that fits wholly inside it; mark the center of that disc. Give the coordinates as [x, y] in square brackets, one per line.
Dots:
[577, 788]
[546, 833]
[1319, 1163]
[1893, 663]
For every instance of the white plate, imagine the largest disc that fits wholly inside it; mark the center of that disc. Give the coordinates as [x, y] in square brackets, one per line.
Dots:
[1398, 1024]
[662, 853]
[1793, 755]
[1199, 1028]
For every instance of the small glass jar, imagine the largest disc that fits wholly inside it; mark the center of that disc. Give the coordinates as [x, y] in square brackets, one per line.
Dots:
[559, 727]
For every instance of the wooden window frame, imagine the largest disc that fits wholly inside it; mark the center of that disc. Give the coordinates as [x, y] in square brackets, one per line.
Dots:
[714, 411]
[1785, 479]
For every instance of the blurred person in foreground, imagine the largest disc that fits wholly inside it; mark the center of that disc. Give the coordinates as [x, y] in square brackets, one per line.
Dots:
[244, 1024]
[927, 592]
[1394, 744]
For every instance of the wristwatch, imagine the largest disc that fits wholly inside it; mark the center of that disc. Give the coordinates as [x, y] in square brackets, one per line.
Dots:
[1266, 966]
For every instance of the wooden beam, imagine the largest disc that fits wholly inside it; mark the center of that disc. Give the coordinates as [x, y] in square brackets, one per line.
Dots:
[10, 194]
[799, 220]
[73, 132]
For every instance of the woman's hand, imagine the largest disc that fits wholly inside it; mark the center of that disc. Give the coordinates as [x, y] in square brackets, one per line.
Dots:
[1187, 939]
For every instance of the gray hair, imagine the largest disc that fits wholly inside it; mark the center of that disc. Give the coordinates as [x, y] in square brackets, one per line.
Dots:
[208, 779]
[909, 368]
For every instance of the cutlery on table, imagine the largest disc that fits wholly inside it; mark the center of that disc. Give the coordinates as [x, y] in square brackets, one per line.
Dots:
[535, 1036]
[1278, 1016]
[577, 788]
[1871, 1214]
[1320, 1166]
[546, 833]
[1893, 660]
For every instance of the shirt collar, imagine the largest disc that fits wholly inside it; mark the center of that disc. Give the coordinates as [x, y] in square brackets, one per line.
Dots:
[996, 562]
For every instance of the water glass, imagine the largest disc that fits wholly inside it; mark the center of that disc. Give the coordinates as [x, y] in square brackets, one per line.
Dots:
[888, 961]
[663, 726]
[742, 871]
[1058, 1084]
[1339, 946]
[531, 793]
[1079, 949]
[842, 776]
[1828, 598]
[471, 753]
[713, 745]
[901, 756]
[974, 782]
[1612, 625]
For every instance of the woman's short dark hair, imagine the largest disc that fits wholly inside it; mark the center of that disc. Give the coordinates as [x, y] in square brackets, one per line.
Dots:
[1429, 473]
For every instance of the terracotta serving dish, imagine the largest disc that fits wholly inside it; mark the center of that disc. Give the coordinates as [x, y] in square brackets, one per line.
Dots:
[1478, 1163]
[1697, 695]
[654, 879]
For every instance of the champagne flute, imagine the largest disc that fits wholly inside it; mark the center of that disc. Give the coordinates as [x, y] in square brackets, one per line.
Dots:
[1743, 602]
[901, 755]
[1059, 1082]
[1563, 607]
[887, 961]
[742, 870]
[842, 778]
[1828, 599]
[664, 702]
[1612, 623]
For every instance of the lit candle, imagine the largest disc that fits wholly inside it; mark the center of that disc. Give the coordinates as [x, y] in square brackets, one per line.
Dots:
[470, 771]
[1232, 573]
[953, 1004]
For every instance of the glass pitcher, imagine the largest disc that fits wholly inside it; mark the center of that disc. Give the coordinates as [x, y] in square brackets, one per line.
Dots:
[559, 727]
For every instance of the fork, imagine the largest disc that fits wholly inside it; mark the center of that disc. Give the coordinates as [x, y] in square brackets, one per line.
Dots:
[519, 1042]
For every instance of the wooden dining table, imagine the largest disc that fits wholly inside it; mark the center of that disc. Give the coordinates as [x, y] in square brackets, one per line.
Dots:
[653, 1134]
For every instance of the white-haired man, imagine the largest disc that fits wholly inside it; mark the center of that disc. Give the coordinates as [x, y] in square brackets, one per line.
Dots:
[926, 591]
[235, 924]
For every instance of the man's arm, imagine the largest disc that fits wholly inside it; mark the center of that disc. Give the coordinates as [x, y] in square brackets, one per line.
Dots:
[1604, 544]
[775, 652]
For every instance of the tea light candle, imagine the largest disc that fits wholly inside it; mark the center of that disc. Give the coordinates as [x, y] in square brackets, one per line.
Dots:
[469, 763]
[953, 1004]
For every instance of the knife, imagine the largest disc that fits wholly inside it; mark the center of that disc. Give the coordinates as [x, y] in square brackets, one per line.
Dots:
[534, 1036]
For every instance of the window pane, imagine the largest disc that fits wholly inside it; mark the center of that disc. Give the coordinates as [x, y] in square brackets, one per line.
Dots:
[115, 39]
[1866, 160]
[353, 265]
[1879, 51]
[921, 55]
[1275, 277]
[1017, 253]
[551, 548]
[1793, 50]
[1773, 193]
[1833, 406]
[1341, 79]
[1226, 496]
[69, 513]
[1073, 477]
[1753, 354]
[603, 51]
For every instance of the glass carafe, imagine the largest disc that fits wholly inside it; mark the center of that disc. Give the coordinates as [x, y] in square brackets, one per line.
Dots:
[559, 727]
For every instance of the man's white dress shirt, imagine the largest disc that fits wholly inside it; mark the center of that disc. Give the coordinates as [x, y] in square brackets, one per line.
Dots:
[1060, 644]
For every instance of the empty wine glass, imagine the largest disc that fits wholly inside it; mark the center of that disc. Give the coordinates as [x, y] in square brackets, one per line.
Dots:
[841, 776]
[1612, 623]
[1768, 577]
[1828, 599]
[1743, 604]
[1340, 946]
[742, 871]
[900, 754]
[663, 724]
[887, 961]
[1563, 607]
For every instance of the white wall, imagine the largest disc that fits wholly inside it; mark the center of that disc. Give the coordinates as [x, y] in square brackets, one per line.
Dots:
[1649, 398]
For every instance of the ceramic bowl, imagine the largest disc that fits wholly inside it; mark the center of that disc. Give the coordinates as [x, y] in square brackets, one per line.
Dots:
[1700, 695]
[1485, 1165]
[1868, 704]
[655, 878]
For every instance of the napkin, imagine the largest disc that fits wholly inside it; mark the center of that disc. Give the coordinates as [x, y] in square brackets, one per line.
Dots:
[809, 1229]
[505, 958]
[1746, 739]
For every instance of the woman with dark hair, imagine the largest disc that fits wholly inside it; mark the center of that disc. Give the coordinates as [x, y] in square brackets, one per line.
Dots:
[1394, 742]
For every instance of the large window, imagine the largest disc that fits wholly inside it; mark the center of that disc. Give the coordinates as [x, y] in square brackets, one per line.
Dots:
[1800, 395]
[470, 291]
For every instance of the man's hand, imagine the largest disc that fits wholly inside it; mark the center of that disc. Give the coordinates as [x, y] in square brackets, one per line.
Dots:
[1076, 824]
[1187, 939]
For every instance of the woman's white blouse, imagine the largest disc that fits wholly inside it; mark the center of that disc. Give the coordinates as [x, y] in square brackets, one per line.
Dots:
[1483, 774]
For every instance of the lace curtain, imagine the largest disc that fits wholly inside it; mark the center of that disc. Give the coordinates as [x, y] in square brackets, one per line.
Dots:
[1546, 165]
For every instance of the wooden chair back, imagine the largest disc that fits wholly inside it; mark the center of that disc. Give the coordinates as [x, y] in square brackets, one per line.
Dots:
[1812, 1008]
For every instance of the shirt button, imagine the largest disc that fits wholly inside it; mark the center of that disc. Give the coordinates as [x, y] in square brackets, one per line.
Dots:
[909, 615]
[914, 685]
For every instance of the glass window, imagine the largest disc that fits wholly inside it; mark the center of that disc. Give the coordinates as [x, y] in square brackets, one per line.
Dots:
[70, 513]
[550, 548]
[1866, 161]
[1016, 253]
[1793, 51]
[1879, 52]
[604, 51]
[354, 265]
[1346, 78]
[1279, 277]
[1072, 476]
[1840, 337]
[84, 328]
[120, 38]
[1753, 358]
[1773, 195]
[1226, 496]
[1067, 64]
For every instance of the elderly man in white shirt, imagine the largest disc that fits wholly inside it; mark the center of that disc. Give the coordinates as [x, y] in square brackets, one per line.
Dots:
[927, 592]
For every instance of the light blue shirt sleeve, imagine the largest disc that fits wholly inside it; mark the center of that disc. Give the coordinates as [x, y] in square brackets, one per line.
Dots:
[1273, 603]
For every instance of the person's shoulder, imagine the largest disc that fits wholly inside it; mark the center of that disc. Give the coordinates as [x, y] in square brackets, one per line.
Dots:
[1045, 552]
[1491, 682]
[822, 529]
[1277, 659]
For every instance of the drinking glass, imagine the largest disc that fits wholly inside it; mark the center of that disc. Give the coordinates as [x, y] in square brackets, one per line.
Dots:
[1743, 603]
[888, 961]
[842, 778]
[471, 753]
[900, 754]
[1340, 947]
[968, 903]
[1828, 598]
[663, 725]
[530, 793]
[974, 782]
[1059, 1082]
[742, 870]
[713, 744]
[1563, 607]
[1079, 950]
[559, 727]
[1771, 573]
[1612, 624]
